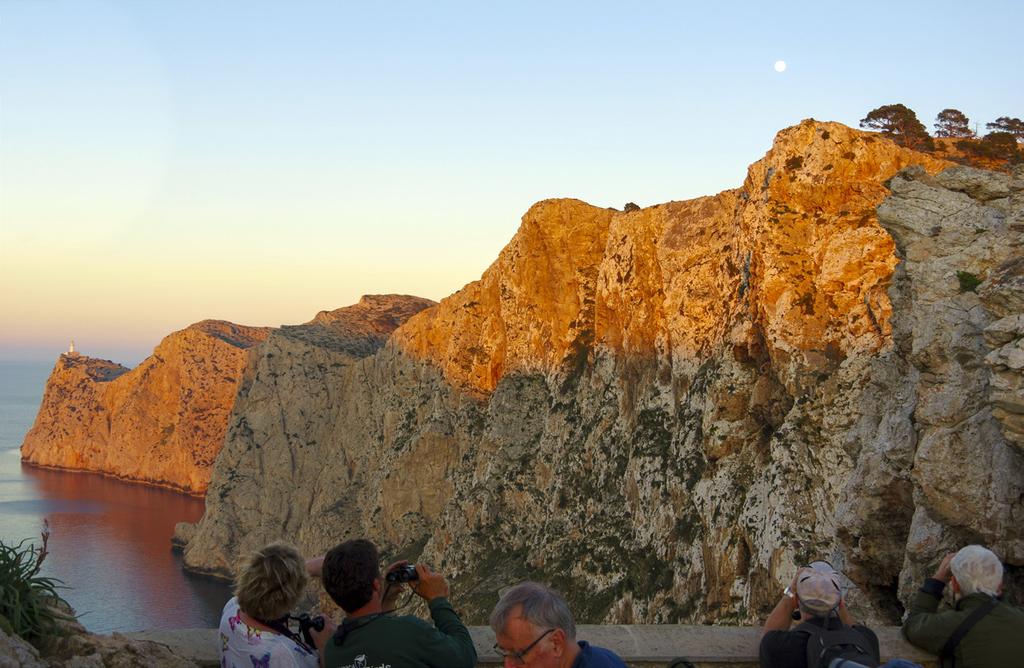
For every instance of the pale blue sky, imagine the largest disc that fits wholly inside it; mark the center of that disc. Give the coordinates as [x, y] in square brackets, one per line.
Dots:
[164, 162]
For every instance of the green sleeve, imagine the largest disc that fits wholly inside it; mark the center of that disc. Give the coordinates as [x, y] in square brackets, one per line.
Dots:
[451, 645]
[925, 627]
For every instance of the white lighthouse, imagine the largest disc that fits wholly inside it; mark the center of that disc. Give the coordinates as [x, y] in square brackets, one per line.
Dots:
[71, 349]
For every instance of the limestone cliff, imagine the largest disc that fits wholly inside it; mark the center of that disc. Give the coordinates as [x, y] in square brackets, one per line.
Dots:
[1003, 297]
[662, 411]
[961, 287]
[162, 423]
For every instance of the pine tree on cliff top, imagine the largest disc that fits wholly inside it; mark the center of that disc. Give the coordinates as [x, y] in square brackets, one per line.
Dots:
[899, 123]
[1014, 126]
[952, 123]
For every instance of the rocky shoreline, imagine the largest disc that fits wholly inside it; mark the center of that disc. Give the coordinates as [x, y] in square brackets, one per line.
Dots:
[158, 484]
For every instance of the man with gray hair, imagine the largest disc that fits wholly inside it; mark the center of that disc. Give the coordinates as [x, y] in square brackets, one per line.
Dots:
[980, 631]
[534, 628]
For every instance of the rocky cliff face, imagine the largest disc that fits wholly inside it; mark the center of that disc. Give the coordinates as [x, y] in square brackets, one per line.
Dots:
[1003, 297]
[162, 423]
[961, 288]
[663, 411]
[273, 465]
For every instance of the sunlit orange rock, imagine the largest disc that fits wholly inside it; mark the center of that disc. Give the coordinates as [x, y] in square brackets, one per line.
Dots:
[799, 247]
[161, 423]
[164, 422]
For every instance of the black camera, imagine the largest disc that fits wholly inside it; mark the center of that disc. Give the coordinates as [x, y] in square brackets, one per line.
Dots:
[405, 573]
[306, 623]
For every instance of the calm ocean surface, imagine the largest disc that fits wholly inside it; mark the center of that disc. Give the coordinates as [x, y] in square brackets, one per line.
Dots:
[109, 540]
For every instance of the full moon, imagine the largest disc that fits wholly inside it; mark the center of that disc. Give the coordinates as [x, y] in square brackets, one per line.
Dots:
[780, 65]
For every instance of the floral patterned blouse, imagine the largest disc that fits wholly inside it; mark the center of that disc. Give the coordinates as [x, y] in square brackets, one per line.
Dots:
[242, 646]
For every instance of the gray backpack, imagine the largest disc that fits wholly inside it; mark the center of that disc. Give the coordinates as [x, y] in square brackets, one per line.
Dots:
[844, 642]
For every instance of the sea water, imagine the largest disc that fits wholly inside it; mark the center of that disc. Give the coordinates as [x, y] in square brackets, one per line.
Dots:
[109, 540]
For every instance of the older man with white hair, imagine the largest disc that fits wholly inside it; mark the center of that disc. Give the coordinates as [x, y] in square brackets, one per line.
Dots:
[980, 631]
[534, 628]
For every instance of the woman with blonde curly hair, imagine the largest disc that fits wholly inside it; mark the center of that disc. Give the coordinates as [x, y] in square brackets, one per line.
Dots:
[254, 629]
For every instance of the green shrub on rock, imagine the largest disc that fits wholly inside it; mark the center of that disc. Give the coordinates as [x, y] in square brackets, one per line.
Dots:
[968, 281]
[28, 601]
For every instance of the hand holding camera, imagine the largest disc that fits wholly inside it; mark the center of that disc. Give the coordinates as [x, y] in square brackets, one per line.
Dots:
[945, 571]
[427, 584]
[403, 572]
[430, 585]
[395, 578]
[311, 628]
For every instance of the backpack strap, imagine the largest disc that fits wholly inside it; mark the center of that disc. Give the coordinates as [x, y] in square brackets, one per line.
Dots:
[949, 648]
[815, 642]
[281, 626]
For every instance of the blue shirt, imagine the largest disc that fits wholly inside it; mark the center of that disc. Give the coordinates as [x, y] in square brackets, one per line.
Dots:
[596, 657]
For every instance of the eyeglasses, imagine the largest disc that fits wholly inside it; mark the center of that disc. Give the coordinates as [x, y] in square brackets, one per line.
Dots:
[520, 656]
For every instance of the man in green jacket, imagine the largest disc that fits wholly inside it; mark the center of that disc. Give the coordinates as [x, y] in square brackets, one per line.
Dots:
[371, 637]
[996, 640]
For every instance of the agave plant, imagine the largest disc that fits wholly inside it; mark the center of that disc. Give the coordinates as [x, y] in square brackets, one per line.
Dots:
[28, 601]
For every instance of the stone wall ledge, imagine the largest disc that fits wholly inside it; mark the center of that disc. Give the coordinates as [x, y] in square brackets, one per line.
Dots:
[641, 646]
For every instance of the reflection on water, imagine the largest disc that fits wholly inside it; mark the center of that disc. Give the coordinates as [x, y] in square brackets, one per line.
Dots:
[110, 542]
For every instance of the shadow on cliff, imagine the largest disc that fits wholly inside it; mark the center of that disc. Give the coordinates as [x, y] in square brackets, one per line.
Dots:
[661, 411]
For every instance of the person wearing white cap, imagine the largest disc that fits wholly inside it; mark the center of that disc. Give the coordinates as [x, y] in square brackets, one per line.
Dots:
[981, 630]
[826, 630]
